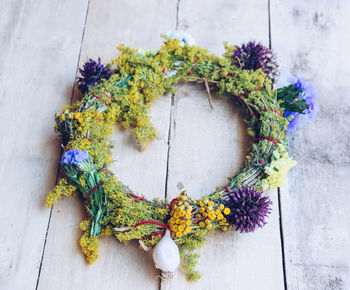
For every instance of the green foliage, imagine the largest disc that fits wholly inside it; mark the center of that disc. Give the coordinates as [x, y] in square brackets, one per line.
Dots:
[290, 101]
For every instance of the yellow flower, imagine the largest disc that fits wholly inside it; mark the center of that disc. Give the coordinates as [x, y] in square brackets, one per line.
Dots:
[188, 222]
[209, 227]
[63, 117]
[212, 215]
[211, 203]
[221, 206]
[277, 169]
[181, 228]
[202, 224]
[227, 211]
[178, 234]
[188, 216]
[201, 210]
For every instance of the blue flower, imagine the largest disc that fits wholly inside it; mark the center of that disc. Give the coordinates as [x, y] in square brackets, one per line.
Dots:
[74, 156]
[308, 93]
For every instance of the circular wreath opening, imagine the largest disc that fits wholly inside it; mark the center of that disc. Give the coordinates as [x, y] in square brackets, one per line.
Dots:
[122, 93]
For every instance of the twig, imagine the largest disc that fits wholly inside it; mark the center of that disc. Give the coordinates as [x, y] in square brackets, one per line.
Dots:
[209, 94]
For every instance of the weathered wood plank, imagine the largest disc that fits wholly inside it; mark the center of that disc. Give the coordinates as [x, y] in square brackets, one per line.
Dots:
[110, 23]
[40, 43]
[206, 148]
[312, 41]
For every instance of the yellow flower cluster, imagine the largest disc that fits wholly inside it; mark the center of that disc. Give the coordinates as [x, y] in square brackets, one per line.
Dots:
[211, 213]
[277, 170]
[62, 188]
[181, 215]
[89, 244]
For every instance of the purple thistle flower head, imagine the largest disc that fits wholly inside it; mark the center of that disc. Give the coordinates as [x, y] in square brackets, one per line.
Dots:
[91, 74]
[74, 156]
[248, 209]
[252, 56]
[308, 94]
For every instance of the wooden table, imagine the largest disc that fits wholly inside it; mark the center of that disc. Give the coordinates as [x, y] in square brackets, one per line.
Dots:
[306, 244]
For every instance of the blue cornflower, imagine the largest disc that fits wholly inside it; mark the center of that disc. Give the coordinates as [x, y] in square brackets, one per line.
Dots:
[308, 94]
[74, 156]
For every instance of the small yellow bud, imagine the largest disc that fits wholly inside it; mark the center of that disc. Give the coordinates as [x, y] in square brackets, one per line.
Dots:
[221, 206]
[227, 211]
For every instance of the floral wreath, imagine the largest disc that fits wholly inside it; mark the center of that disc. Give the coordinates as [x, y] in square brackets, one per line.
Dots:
[122, 92]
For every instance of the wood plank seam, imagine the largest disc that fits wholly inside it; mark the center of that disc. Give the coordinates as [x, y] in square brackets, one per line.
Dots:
[282, 240]
[172, 103]
[177, 14]
[61, 151]
[278, 189]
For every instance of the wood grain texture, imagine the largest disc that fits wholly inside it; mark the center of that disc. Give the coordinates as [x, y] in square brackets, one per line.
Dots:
[312, 41]
[206, 148]
[39, 43]
[110, 23]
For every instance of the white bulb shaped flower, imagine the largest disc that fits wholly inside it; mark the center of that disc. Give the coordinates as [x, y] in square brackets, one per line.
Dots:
[166, 254]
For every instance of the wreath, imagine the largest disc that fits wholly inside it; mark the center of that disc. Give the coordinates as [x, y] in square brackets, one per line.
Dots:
[122, 92]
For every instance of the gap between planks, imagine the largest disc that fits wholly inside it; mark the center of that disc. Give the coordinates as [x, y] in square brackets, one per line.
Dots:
[58, 167]
[170, 129]
[278, 190]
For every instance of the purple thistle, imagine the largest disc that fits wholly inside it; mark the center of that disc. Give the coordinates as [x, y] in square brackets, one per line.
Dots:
[91, 74]
[248, 209]
[308, 93]
[252, 56]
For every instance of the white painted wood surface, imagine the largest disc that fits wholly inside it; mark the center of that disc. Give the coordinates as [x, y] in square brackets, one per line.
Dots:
[41, 44]
[315, 206]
